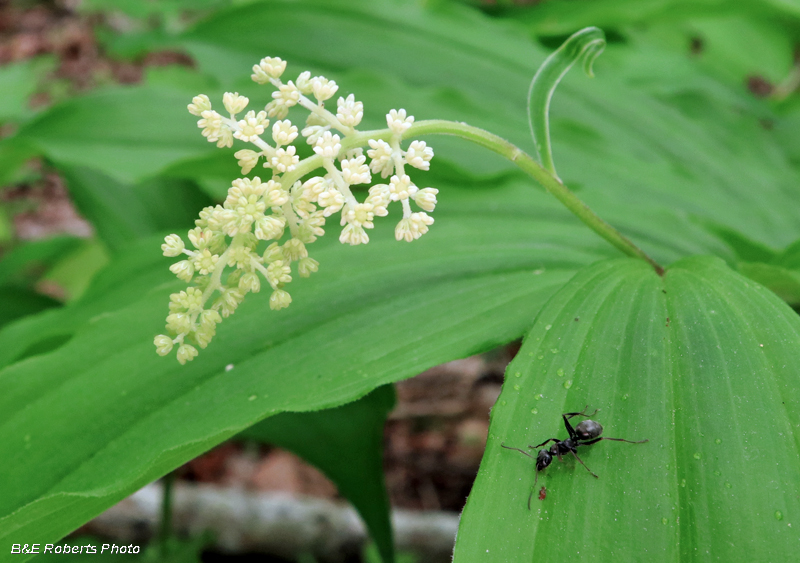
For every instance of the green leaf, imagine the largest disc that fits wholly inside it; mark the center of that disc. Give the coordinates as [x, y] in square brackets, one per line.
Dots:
[17, 302]
[123, 213]
[92, 413]
[703, 364]
[18, 81]
[785, 283]
[346, 443]
[126, 133]
[27, 262]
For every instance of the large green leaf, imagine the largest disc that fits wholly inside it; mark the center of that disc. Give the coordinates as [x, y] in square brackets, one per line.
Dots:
[703, 363]
[347, 444]
[92, 413]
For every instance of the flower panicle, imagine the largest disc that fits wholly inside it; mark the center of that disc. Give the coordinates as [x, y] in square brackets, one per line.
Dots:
[257, 238]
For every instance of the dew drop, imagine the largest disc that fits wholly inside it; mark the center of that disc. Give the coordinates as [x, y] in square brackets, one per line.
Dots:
[778, 515]
[728, 485]
[539, 396]
[518, 374]
[503, 403]
[560, 372]
[625, 397]
[668, 467]
[554, 350]
[567, 384]
[229, 367]
[516, 387]
[548, 327]
[718, 473]
[683, 482]
[530, 354]
[717, 441]
[252, 398]
[541, 356]
[697, 455]
[664, 521]
[534, 411]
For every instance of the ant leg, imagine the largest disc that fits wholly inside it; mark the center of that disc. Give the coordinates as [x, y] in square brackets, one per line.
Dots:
[530, 496]
[567, 415]
[617, 440]
[583, 464]
[582, 413]
[517, 449]
[556, 440]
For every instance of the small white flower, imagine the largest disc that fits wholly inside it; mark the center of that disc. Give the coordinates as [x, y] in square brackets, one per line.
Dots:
[313, 187]
[379, 197]
[234, 103]
[211, 124]
[304, 83]
[247, 159]
[354, 171]
[186, 353]
[305, 268]
[323, 88]
[250, 282]
[275, 195]
[359, 215]
[284, 160]
[413, 227]
[400, 188]
[164, 344]
[419, 155]
[381, 155]
[294, 249]
[285, 97]
[279, 299]
[199, 104]
[278, 273]
[204, 262]
[270, 227]
[353, 235]
[269, 67]
[183, 269]
[349, 112]
[398, 122]
[332, 200]
[173, 245]
[283, 132]
[328, 145]
[426, 198]
[313, 133]
[251, 126]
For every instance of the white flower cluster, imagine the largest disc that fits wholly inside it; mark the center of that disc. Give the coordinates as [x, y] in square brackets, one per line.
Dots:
[230, 235]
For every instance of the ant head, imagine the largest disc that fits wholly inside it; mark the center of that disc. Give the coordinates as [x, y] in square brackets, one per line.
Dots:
[588, 430]
[543, 459]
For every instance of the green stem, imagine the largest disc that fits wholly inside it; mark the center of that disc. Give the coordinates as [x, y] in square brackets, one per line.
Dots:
[547, 179]
[165, 530]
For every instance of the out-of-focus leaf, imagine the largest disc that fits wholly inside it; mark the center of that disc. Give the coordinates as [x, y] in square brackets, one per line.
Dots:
[74, 271]
[783, 282]
[27, 262]
[703, 363]
[17, 302]
[17, 82]
[346, 443]
[122, 213]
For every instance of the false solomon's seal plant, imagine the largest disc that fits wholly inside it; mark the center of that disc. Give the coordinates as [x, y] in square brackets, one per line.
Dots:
[262, 230]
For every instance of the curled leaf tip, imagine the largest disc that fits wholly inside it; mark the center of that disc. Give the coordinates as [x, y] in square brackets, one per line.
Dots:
[585, 45]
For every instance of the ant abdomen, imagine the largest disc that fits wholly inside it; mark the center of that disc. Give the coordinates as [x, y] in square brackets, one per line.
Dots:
[588, 429]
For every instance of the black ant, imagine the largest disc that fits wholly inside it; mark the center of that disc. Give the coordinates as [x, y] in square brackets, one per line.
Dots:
[585, 433]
